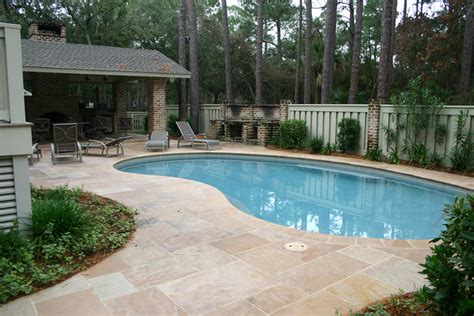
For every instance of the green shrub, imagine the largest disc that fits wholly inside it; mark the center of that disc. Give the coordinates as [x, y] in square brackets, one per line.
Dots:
[172, 127]
[328, 149]
[436, 160]
[349, 133]
[316, 144]
[450, 270]
[419, 153]
[53, 218]
[374, 154]
[293, 134]
[461, 154]
[393, 157]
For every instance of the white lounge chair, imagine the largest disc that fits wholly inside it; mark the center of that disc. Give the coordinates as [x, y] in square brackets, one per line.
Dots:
[65, 143]
[158, 140]
[188, 136]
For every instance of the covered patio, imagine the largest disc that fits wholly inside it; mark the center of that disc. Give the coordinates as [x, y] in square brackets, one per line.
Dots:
[77, 83]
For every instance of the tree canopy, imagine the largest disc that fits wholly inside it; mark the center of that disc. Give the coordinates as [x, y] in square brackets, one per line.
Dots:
[427, 43]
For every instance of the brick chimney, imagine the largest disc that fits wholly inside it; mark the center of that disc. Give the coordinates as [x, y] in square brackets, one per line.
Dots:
[47, 32]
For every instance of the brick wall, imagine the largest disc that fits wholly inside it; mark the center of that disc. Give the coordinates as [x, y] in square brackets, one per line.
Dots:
[120, 89]
[156, 95]
[50, 94]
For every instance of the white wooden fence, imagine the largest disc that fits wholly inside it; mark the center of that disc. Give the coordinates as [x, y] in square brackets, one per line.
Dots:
[138, 121]
[448, 117]
[322, 119]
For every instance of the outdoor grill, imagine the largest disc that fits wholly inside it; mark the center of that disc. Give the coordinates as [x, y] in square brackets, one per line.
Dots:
[250, 124]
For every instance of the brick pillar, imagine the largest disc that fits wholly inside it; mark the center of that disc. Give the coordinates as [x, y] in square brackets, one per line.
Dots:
[373, 125]
[283, 109]
[156, 94]
[121, 98]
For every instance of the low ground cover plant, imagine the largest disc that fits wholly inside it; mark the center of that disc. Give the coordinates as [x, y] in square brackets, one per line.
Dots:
[374, 154]
[70, 230]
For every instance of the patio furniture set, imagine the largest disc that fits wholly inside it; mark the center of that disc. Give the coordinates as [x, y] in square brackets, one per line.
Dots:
[66, 144]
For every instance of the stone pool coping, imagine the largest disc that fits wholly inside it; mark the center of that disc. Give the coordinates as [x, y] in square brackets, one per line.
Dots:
[454, 180]
[195, 253]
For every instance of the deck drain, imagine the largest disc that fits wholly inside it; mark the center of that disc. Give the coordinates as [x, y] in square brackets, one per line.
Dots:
[296, 246]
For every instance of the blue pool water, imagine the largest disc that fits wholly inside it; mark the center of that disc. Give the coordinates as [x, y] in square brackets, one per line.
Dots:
[321, 197]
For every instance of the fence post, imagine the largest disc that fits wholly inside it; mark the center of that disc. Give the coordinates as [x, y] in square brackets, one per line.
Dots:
[373, 125]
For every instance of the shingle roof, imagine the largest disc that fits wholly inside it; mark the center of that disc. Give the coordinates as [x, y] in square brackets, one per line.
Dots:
[89, 59]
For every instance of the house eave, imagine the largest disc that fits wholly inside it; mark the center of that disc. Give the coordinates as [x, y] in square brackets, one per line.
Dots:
[86, 72]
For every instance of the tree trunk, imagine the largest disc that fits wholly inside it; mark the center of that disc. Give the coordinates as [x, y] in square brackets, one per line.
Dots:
[351, 27]
[392, 41]
[421, 7]
[183, 104]
[354, 88]
[298, 55]
[329, 51]
[308, 65]
[405, 9]
[279, 48]
[417, 3]
[385, 56]
[193, 63]
[466, 59]
[258, 61]
[227, 55]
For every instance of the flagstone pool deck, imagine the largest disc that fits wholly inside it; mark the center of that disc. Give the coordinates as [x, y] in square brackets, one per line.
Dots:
[195, 253]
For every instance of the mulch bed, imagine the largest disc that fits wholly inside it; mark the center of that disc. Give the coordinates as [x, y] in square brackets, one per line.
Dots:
[398, 305]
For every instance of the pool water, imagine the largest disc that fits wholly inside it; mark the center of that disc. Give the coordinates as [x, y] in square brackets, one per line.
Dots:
[314, 196]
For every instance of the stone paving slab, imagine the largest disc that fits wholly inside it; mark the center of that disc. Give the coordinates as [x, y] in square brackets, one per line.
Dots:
[195, 253]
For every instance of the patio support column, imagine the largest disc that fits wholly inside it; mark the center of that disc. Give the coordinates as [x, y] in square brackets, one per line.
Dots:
[121, 97]
[156, 104]
[373, 125]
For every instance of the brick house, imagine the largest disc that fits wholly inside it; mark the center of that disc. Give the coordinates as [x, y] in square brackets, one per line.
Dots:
[76, 82]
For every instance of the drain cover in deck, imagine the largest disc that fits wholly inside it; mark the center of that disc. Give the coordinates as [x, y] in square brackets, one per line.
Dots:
[296, 246]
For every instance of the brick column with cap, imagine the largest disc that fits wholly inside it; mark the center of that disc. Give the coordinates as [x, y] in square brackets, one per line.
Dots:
[373, 125]
[156, 95]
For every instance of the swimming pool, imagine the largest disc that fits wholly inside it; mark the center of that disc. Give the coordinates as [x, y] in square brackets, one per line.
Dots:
[315, 196]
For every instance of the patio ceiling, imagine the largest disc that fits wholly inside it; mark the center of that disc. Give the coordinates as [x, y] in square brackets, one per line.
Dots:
[79, 59]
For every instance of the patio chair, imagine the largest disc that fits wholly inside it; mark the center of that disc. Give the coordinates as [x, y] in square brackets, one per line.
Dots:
[158, 140]
[65, 143]
[41, 129]
[102, 125]
[106, 145]
[125, 125]
[35, 151]
[188, 136]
